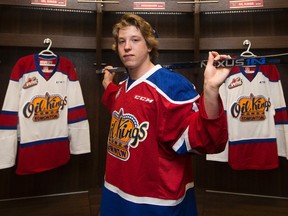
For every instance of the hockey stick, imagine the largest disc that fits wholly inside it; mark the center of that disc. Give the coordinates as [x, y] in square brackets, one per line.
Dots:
[242, 61]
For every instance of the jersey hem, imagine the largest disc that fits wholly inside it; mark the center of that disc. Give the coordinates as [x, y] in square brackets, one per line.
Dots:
[147, 200]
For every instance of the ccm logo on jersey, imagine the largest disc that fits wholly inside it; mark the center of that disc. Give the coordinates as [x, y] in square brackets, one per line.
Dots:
[144, 99]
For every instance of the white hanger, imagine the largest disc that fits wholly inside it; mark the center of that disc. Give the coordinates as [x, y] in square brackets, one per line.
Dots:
[247, 53]
[47, 52]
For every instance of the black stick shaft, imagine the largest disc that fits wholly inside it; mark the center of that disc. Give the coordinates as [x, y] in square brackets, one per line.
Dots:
[251, 61]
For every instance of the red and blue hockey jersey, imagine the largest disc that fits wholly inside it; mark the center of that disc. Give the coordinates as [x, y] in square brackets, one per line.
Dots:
[156, 122]
[257, 118]
[44, 109]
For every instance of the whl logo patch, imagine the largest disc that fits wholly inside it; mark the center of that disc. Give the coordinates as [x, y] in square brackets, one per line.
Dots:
[235, 83]
[125, 132]
[30, 82]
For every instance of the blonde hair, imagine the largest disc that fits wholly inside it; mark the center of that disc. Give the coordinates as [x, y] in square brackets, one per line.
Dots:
[145, 29]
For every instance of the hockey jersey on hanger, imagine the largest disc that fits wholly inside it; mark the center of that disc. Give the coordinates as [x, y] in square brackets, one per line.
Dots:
[44, 109]
[257, 118]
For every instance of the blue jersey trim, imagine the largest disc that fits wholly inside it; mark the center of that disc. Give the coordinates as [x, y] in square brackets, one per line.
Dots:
[76, 108]
[8, 127]
[77, 120]
[252, 141]
[4, 112]
[112, 204]
[39, 142]
[174, 85]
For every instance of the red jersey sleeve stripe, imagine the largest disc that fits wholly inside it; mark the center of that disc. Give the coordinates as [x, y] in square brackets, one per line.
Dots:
[281, 116]
[77, 114]
[8, 120]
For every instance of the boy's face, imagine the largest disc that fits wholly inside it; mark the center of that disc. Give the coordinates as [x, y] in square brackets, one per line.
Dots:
[132, 47]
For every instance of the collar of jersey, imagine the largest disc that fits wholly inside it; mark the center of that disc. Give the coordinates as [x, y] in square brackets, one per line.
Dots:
[142, 78]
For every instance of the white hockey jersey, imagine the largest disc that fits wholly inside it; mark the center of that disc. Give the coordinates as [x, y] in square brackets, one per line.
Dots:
[257, 118]
[44, 109]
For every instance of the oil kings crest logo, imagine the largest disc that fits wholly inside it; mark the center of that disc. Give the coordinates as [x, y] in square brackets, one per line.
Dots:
[125, 132]
[251, 108]
[45, 107]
